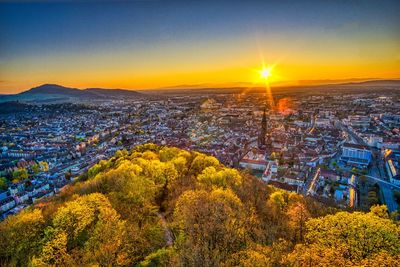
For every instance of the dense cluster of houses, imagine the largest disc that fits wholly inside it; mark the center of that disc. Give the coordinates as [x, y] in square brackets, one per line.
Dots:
[310, 143]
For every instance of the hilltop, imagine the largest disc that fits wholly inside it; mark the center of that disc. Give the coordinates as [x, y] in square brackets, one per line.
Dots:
[57, 93]
[163, 206]
[50, 93]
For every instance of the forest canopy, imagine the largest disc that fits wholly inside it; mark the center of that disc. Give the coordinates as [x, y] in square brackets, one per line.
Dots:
[163, 206]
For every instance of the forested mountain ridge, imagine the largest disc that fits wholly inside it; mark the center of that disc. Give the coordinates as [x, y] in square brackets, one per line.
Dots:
[163, 206]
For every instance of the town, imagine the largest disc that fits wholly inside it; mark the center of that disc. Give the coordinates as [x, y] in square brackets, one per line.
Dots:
[341, 147]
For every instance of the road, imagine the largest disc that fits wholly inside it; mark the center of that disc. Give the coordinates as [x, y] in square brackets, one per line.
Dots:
[311, 187]
[389, 198]
[312, 126]
[379, 180]
[387, 192]
[354, 137]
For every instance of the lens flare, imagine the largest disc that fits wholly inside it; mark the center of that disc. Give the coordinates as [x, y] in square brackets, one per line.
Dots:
[265, 73]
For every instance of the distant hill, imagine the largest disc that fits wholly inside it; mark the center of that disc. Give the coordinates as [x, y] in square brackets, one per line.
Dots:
[118, 93]
[375, 83]
[53, 93]
[282, 87]
[47, 93]
[286, 84]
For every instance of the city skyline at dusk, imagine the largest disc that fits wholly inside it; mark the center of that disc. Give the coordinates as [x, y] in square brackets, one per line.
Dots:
[200, 133]
[146, 45]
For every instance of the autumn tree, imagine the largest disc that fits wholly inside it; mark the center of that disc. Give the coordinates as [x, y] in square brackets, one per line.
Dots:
[21, 235]
[298, 216]
[35, 168]
[86, 231]
[210, 225]
[54, 251]
[168, 153]
[357, 236]
[256, 256]
[381, 259]
[3, 183]
[201, 161]
[380, 211]
[20, 175]
[214, 216]
[164, 257]
[210, 177]
[44, 166]
[315, 255]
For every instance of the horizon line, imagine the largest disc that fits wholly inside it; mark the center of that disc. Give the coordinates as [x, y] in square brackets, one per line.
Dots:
[229, 85]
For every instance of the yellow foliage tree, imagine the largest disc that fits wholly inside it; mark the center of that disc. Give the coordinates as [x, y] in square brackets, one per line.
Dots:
[201, 162]
[20, 235]
[255, 256]
[87, 230]
[211, 226]
[222, 178]
[358, 235]
[54, 252]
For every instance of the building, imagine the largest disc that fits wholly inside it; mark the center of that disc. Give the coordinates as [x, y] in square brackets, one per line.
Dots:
[254, 160]
[270, 171]
[393, 171]
[293, 179]
[7, 204]
[356, 155]
[374, 140]
[390, 143]
[20, 154]
[392, 165]
[359, 121]
[322, 123]
[263, 132]
[329, 175]
[21, 197]
[3, 194]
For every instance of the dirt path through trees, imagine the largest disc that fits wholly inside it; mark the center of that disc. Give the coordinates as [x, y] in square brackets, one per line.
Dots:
[168, 236]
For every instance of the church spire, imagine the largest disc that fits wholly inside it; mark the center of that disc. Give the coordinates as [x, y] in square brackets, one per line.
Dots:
[263, 132]
[264, 121]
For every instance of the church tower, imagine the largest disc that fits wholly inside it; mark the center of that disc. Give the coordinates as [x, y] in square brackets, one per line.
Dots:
[261, 137]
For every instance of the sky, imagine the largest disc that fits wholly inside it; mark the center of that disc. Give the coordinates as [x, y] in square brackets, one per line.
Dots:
[153, 44]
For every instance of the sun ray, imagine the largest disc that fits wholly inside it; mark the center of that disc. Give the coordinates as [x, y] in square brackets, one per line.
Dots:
[265, 74]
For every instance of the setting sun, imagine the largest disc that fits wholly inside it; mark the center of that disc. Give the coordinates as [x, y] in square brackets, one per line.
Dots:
[265, 73]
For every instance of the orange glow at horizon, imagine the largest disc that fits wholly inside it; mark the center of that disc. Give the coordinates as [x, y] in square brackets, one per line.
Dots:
[140, 45]
[134, 70]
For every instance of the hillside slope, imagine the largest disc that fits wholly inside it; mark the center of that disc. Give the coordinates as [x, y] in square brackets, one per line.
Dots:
[163, 206]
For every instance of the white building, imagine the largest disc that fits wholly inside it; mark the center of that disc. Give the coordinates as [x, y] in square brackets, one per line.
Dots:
[393, 172]
[254, 160]
[356, 155]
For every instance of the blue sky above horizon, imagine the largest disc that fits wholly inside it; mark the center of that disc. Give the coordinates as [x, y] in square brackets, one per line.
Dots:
[145, 44]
